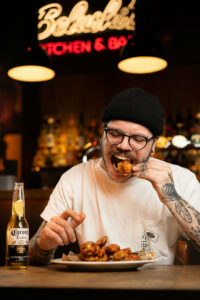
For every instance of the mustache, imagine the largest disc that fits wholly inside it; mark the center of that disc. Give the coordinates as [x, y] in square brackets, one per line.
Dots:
[126, 153]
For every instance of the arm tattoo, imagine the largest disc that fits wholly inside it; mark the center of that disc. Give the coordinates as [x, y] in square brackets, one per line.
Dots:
[183, 212]
[197, 216]
[171, 178]
[194, 243]
[170, 194]
[39, 256]
[186, 215]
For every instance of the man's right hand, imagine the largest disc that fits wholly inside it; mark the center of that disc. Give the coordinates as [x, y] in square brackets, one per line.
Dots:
[59, 231]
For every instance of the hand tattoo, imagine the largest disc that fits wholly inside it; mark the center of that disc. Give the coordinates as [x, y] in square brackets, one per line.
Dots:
[143, 169]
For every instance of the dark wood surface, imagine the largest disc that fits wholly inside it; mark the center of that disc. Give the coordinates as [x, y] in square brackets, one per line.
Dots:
[165, 281]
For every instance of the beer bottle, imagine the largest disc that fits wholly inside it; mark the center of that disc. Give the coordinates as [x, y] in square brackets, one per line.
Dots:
[17, 234]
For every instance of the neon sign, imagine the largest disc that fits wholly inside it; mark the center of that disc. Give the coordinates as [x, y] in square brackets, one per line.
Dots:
[82, 46]
[52, 22]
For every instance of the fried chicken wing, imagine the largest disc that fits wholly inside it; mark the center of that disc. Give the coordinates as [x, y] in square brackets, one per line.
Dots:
[87, 258]
[98, 251]
[133, 256]
[112, 248]
[124, 167]
[89, 248]
[102, 241]
[120, 255]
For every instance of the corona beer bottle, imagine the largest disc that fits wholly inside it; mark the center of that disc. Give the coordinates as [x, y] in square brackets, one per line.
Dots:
[17, 234]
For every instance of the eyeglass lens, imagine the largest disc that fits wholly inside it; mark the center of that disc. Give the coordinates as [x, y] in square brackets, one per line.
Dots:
[115, 137]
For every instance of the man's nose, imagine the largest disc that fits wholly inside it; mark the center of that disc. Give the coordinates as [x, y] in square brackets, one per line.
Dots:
[124, 144]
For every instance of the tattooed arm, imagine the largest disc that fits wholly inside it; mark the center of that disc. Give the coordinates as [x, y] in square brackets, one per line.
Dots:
[39, 256]
[59, 231]
[186, 215]
[160, 175]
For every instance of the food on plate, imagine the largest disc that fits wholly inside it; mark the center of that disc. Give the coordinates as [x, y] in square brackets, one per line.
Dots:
[98, 251]
[125, 167]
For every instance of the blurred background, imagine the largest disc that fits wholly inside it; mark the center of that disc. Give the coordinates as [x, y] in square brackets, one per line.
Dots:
[46, 127]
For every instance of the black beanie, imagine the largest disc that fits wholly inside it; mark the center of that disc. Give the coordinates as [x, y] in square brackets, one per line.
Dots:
[138, 106]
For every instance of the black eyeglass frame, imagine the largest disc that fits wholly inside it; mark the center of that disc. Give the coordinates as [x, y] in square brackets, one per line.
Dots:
[129, 138]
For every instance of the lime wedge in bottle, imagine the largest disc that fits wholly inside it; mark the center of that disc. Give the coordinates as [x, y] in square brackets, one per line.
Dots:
[19, 207]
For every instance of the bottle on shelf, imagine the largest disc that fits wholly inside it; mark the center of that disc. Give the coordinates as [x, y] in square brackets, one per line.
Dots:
[179, 124]
[168, 126]
[17, 232]
[92, 131]
[3, 146]
[50, 141]
[72, 140]
[195, 138]
[189, 123]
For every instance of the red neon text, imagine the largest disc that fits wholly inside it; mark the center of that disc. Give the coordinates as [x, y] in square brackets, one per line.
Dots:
[81, 46]
[115, 43]
[60, 48]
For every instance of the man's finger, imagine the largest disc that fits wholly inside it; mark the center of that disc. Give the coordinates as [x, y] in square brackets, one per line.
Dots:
[76, 218]
[76, 222]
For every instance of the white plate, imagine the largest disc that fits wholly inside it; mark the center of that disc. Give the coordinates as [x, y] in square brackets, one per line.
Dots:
[107, 265]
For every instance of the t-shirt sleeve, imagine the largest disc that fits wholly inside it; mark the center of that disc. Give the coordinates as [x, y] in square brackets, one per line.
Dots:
[192, 192]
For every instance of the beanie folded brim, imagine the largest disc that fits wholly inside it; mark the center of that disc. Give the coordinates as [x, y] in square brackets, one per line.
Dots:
[138, 106]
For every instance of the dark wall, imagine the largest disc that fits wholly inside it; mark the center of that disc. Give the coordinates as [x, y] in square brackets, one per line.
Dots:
[177, 88]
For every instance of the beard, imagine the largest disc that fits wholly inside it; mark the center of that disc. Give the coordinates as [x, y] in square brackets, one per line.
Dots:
[126, 153]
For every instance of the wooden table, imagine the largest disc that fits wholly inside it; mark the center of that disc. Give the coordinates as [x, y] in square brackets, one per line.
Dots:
[159, 282]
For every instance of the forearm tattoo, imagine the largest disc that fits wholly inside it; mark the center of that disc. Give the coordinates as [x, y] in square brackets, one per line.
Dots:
[169, 192]
[186, 214]
[38, 256]
[183, 211]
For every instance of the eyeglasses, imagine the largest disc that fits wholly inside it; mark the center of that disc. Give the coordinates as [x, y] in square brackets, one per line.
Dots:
[136, 142]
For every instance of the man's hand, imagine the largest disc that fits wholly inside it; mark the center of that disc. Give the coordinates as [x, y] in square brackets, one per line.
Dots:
[59, 231]
[160, 175]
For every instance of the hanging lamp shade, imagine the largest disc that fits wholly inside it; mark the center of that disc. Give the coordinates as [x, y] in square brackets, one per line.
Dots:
[142, 54]
[31, 64]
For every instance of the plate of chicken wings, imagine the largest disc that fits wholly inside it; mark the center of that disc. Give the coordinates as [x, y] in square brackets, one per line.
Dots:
[99, 256]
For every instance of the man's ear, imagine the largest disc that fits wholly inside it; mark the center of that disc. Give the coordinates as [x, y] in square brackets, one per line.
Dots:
[154, 144]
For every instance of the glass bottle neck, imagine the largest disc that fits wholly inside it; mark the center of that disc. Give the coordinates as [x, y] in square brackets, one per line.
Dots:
[18, 204]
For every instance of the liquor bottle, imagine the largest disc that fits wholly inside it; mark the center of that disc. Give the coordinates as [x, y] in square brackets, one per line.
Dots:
[168, 126]
[17, 233]
[189, 123]
[195, 138]
[72, 140]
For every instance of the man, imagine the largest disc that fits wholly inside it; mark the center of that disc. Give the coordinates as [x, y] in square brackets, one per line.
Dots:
[147, 209]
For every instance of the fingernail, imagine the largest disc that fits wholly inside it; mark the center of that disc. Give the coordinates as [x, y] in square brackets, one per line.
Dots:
[82, 216]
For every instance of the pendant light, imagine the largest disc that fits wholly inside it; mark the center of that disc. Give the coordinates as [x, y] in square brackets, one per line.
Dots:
[30, 63]
[143, 53]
